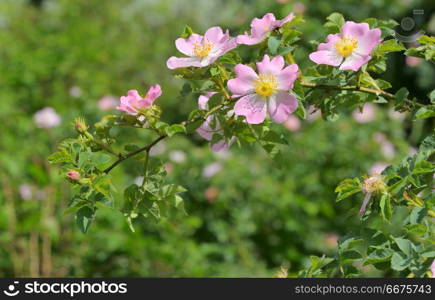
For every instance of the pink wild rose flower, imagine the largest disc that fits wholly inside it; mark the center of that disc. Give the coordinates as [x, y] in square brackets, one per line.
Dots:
[208, 129]
[265, 91]
[260, 28]
[133, 103]
[349, 49]
[202, 50]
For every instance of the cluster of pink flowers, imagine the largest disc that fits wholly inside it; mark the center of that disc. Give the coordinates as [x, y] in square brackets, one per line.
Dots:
[266, 90]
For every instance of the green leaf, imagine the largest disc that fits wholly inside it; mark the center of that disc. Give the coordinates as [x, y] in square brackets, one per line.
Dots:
[273, 44]
[402, 94]
[388, 46]
[379, 255]
[426, 40]
[417, 215]
[187, 31]
[404, 245]
[273, 137]
[60, 157]
[347, 188]
[335, 22]
[84, 218]
[423, 167]
[432, 97]
[429, 254]
[425, 112]
[417, 229]
[399, 261]
[385, 205]
[173, 129]
[349, 256]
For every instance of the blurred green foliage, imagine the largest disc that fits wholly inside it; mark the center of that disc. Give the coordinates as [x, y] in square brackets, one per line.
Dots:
[249, 218]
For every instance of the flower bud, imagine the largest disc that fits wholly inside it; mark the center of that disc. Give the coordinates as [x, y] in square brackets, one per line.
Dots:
[80, 125]
[73, 175]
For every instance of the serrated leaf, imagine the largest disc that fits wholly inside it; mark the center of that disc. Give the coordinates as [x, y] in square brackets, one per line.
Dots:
[347, 188]
[173, 129]
[404, 245]
[417, 215]
[425, 112]
[388, 46]
[385, 205]
[379, 255]
[84, 217]
[273, 44]
[399, 261]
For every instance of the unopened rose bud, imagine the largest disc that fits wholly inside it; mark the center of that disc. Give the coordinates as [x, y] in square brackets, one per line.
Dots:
[73, 175]
[80, 125]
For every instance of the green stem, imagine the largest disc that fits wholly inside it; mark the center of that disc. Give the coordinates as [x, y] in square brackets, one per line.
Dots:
[147, 148]
[357, 89]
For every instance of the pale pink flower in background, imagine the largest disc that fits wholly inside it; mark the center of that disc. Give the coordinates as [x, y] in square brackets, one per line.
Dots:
[412, 61]
[299, 8]
[138, 180]
[211, 193]
[133, 103]
[223, 154]
[75, 91]
[40, 195]
[412, 151]
[202, 50]
[46, 118]
[266, 91]
[211, 126]
[432, 268]
[379, 137]
[158, 149]
[331, 240]
[388, 149]
[377, 168]
[260, 28]
[177, 156]
[107, 103]
[313, 113]
[211, 169]
[169, 168]
[367, 115]
[26, 191]
[396, 115]
[292, 123]
[349, 49]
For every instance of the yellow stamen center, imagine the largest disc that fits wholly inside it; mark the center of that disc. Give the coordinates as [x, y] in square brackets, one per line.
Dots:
[265, 85]
[346, 46]
[202, 49]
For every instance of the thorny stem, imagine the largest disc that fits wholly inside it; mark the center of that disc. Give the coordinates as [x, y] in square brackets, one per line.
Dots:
[147, 148]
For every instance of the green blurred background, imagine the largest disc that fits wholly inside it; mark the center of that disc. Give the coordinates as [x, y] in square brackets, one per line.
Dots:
[246, 217]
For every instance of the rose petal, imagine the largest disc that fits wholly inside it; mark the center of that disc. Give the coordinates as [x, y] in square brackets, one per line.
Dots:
[253, 107]
[281, 105]
[244, 82]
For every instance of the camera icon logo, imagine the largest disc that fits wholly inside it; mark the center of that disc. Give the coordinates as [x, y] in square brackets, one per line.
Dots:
[409, 30]
[12, 291]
